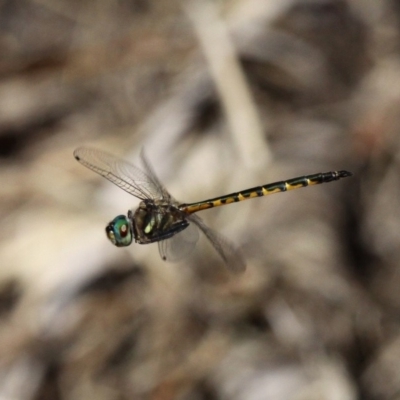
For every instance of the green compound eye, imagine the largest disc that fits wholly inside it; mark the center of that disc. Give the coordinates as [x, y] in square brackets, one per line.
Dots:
[119, 231]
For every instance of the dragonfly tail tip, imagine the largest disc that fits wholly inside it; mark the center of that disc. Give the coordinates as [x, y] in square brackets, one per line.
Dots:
[345, 174]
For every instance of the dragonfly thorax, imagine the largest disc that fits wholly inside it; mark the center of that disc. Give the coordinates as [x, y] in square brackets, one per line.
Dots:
[156, 220]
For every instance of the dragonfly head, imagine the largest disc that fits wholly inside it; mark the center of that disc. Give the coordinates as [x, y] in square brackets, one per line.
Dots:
[119, 231]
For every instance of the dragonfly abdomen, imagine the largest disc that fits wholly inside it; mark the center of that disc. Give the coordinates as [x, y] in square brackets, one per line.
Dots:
[259, 191]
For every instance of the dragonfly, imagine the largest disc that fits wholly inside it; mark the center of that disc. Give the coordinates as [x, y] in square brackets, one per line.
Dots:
[173, 225]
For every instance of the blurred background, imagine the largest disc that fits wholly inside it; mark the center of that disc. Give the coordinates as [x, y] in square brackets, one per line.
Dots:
[222, 95]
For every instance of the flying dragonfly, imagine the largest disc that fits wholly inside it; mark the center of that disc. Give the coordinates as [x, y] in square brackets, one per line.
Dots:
[173, 225]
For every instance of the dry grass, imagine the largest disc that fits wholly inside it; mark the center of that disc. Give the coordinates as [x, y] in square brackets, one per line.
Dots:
[221, 99]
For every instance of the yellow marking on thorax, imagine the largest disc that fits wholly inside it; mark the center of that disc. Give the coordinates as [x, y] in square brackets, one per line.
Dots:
[149, 227]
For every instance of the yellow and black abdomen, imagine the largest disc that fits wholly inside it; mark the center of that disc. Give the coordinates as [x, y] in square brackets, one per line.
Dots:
[259, 191]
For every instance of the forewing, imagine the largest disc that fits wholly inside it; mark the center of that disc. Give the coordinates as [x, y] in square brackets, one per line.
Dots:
[153, 177]
[123, 174]
[231, 255]
[180, 245]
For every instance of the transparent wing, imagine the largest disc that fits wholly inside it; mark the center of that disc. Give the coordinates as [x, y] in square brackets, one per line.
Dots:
[232, 256]
[180, 245]
[123, 174]
[153, 177]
